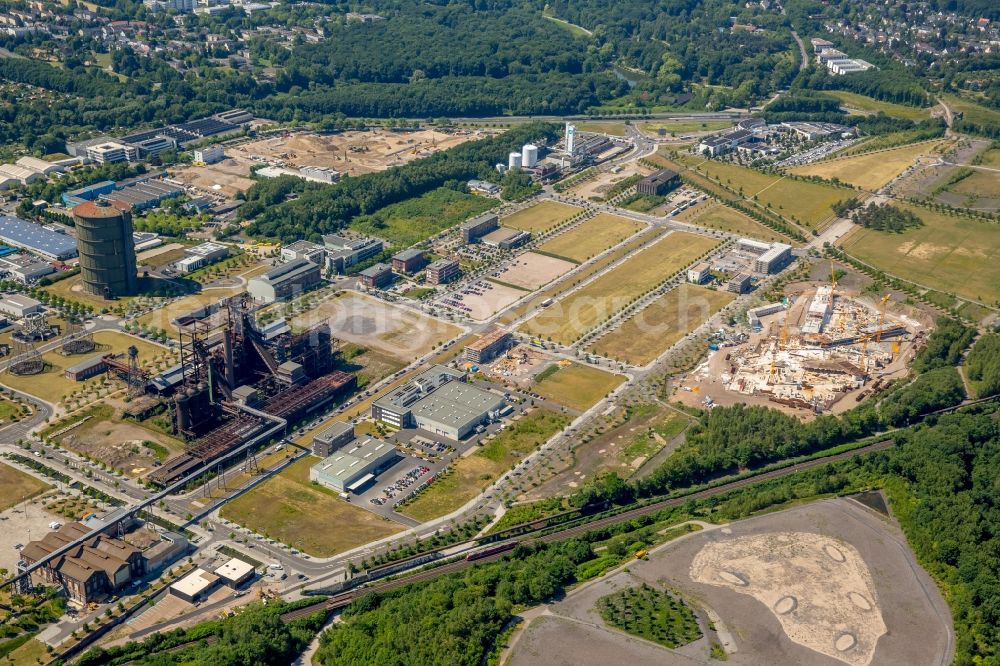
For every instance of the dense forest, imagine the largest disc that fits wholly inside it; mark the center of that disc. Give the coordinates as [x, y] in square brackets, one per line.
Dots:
[983, 365]
[319, 209]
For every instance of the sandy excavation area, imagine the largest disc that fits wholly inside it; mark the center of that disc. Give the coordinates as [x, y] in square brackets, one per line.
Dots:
[818, 588]
[353, 152]
[531, 270]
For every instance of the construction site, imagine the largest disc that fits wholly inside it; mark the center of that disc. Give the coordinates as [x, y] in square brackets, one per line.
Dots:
[232, 384]
[821, 351]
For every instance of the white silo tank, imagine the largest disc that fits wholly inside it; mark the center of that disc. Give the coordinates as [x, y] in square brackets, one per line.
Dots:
[570, 139]
[514, 160]
[529, 155]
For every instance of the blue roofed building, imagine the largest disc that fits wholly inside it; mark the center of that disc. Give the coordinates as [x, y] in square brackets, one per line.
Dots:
[36, 238]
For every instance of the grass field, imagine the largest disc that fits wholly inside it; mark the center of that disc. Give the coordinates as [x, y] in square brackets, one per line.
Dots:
[585, 273]
[685, 126]
[470, 474]
[592, 237]
[979, 184]
[975, 114]
[16, 486]
[614, 129]
[724, 218]
[870, 171]
[990, 158]
[655, 329]
[417, 219]
[577, 386]
[862, 103]
[52, 384]
[808, 204]
[579, 312]
[306, 516]
[541, 217]
[950, 254]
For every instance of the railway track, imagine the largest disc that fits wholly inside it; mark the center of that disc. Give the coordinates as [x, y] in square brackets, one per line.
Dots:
[341, 600]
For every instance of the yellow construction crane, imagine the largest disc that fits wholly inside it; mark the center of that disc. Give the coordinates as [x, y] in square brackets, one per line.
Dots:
[881, 317]
[833, 281]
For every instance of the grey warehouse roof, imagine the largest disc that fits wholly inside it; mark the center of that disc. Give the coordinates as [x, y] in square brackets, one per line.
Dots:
[35, 237]
[456, 403]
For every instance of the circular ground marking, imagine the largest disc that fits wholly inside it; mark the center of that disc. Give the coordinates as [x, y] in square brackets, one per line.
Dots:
[726, 530]
[786, 605]
[845, 642]
[859, 601]
[834, 553]
[732, 578]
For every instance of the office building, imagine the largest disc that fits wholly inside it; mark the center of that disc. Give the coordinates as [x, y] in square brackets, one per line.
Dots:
[350, 470]
[343, 252]
[659, 183]
[378, 276]
[210, 154]
[774, 259]
[235, 573]
[107, 250]
[740, 283]
[303, 249]
[699, 273]
[488, 347]
[479, 226]
[195, 586]
[443, 271]
[108, 153]
[284, 281]
[202, 255]
[570, 139]
[331, 439]
[409, 261]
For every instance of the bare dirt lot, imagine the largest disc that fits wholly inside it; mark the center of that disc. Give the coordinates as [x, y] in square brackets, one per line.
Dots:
[532, 271]
[353, 152]
[916, 617]
[399, 332]
[228, 177]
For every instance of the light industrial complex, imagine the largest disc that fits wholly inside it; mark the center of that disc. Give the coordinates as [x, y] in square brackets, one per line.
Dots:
[440, 401]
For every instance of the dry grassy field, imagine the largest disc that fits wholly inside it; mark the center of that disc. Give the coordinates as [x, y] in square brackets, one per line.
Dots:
[567, 320]
[808, 204]
[308, 517]
[577, 386]
[722, 217]
[950, 254]
[870, 171]
[591, 237]
[641, 339]
[590, 269]
[541, 217]
[16, 486]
